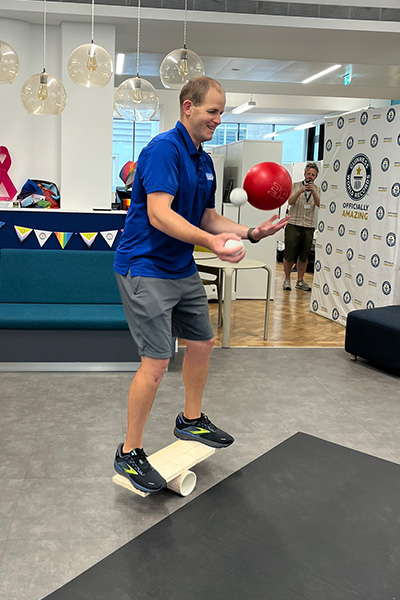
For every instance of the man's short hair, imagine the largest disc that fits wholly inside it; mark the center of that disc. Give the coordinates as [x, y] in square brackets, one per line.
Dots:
[311, 165]
[196, 90]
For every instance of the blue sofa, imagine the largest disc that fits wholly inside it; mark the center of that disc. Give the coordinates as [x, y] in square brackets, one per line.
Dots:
[62, 306]
[374, 334]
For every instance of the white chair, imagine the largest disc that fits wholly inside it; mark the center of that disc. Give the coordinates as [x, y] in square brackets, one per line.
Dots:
[215, 275]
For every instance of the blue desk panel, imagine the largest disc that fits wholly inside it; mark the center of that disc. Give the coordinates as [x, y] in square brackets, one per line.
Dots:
[56, 220]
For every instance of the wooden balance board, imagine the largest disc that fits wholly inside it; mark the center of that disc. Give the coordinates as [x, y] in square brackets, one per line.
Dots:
[173, 463]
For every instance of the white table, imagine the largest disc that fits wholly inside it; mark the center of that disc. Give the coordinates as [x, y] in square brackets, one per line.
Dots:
[227, 269]
[202, 255]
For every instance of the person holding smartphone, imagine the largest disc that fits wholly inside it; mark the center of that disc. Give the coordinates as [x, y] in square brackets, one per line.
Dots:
[299, 232]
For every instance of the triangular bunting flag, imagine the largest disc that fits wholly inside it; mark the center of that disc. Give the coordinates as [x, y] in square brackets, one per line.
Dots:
[22, 232]
[2, 223]
[109, 236]
[63, 237]
[42, 236]
[89, 238]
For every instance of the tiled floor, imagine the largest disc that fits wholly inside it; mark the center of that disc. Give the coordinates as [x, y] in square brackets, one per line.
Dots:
[60, 512]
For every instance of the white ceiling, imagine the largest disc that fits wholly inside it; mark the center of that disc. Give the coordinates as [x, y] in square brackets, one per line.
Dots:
[266, 56]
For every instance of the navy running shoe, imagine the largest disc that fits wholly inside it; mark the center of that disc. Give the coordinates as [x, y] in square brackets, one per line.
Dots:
[202, 430]
[135, 467]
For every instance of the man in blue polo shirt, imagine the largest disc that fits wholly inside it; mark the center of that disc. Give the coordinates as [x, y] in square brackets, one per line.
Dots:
[172, 209]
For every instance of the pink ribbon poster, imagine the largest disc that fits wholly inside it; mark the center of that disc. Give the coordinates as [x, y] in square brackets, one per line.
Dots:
[7, 188]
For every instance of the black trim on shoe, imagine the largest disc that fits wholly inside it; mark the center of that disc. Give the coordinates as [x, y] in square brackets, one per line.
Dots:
[203, 431]
[137, 469]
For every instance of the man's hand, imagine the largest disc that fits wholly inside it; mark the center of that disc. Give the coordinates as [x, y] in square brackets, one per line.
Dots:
[269, 227]
[308, 186]
[226, 254]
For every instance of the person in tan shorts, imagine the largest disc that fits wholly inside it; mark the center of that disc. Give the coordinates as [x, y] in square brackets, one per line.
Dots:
[299, 232]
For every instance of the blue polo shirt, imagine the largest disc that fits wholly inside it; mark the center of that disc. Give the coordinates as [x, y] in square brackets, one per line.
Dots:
[170, 163]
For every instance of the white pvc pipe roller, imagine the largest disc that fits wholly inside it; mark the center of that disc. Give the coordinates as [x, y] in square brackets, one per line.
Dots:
[184, 484]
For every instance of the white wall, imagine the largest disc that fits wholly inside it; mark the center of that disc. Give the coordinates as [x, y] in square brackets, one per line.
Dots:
[86, 127]
[73, 150]
[169, 108]
[33, 142]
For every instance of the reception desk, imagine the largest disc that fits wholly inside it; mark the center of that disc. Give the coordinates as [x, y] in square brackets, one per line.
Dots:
[59, 220]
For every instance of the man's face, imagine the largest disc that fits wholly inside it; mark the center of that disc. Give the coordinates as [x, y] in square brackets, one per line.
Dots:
[202, 121]
[310, 174]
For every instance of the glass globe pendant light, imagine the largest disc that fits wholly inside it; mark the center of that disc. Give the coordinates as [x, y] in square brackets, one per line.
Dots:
[136, 99]
[9, 63]
[181, 65]
[43, 94]
[90, 65]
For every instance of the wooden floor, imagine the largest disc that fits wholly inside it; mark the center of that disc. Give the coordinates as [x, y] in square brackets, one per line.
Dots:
[291, 324]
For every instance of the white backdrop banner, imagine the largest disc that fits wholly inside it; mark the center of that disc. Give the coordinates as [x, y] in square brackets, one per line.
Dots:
[357, 243]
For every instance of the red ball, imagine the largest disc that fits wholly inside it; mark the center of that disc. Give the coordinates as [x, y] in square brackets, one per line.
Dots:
[268, 185]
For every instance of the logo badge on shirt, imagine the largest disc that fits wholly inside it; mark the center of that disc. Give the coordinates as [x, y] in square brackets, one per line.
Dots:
[210, 176]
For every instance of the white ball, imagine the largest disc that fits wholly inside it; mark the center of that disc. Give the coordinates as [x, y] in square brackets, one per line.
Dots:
[238, 196]
[235, 244]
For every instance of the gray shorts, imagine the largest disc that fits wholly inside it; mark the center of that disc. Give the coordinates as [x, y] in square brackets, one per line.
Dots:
[157, 310]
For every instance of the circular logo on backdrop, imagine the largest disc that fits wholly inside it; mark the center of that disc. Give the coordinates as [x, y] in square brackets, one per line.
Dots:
[395, 189]
[370, 304]
[341, 230]
[391, 239]
[374, 141]
[349, 254]
[386, 288]
[359, 279]
[380, 213]
[317, 265]
[364, 234]
[398, 139]
[315, 306]
[328, 249]
[338, 272]
[332, 207]
[346, 297]
[321, 226]
[385, 164]
[335, 314]
[391, 115]
[350, 142]
[325, 289]
[364, 118]
[340, 122]
[336, 166]
[328, 145]
[358, 177]
[375, 261]
[324, 185]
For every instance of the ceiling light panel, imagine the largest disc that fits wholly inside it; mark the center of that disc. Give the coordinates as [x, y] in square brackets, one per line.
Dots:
[322, 73]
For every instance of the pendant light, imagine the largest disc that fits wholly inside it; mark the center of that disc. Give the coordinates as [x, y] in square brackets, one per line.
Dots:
[136, 99]
[238, 110]
[90, 65]
[9, 63]
[181, 65]
[43, 94]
